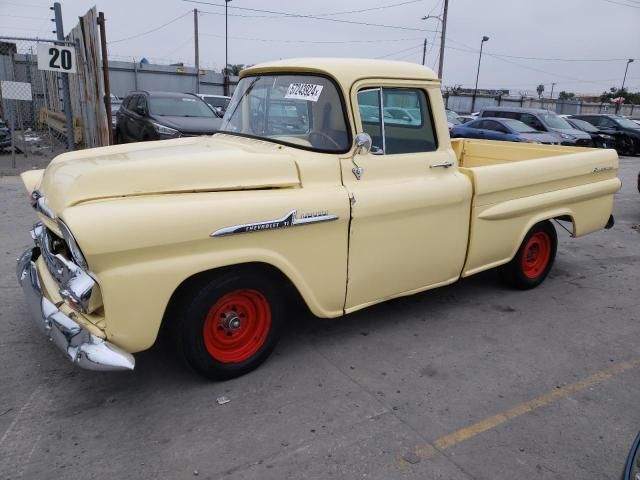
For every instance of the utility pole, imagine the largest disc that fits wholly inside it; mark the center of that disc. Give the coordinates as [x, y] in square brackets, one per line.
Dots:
[442, 38]
[66, 95]
[424, 51]
[443, 34]
[553, 84]
[197, 52]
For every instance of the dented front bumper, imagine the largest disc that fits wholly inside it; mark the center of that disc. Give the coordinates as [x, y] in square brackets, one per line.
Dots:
[78, 344]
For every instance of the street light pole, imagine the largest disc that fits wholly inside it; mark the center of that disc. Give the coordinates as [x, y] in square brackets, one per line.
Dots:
[475, 90]
[623, 81]
[424, 51]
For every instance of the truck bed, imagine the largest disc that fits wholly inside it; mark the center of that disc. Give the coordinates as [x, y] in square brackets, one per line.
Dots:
[517, 185]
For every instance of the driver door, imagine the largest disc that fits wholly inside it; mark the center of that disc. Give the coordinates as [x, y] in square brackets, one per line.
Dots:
[410, 207]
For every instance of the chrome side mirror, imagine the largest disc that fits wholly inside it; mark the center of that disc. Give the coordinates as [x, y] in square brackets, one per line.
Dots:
[362, 143]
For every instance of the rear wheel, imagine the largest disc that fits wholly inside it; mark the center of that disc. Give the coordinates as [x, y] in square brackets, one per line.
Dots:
[231, 325]
[534, 259]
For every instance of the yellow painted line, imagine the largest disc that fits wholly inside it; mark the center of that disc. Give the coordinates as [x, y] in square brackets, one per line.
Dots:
[489, 423]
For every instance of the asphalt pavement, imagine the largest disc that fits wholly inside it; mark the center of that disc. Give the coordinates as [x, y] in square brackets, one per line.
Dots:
[470, 381]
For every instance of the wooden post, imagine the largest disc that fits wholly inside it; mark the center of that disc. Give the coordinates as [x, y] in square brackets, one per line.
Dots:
[105, 74]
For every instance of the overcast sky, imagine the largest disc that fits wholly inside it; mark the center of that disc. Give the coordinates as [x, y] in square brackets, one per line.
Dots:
[550, 29]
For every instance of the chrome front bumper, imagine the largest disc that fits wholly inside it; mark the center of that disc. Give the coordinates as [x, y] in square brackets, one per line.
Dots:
[79, 345]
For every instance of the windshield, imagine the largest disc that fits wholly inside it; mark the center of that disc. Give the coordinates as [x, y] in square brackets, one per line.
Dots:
[582, 125]
[519, 126]
[626, 123]
[452, 117]
[298, 110]
[179, 107]
[554, 121]
[221, 102]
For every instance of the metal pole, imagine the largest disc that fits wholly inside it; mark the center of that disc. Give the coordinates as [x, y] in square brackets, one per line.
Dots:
[226, 48]
[442, 38]
[424, 51]
[66, 94]
[197, 52]
[105, 74]
[135, 74]
[13, 134]
[475, 90]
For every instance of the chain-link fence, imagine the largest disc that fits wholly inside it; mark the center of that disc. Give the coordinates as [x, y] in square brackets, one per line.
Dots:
[32, 128]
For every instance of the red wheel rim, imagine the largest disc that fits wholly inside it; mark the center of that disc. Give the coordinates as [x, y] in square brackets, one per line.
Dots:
[237, 325]
[536, 255]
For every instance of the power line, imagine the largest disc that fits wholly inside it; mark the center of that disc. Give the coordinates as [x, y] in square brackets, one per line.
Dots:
[27, 5]
[310, 17]
[318, 42]
[22, 16]
[400, 51]
[370, 9]
[622, 4]
[152, 30]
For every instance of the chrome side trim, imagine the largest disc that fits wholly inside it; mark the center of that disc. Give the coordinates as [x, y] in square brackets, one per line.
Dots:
[289, 220]
[78, 344]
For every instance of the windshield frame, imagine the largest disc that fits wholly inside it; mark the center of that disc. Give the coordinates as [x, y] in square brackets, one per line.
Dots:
[343, 105]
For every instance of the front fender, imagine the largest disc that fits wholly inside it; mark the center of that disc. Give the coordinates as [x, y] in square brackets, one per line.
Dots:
[143, 248]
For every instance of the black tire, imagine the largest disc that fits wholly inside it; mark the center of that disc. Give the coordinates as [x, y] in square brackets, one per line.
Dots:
[534, 259]
[200, 319]
[626, 146]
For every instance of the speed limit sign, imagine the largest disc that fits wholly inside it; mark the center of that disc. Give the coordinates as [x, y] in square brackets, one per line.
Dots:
[56, 58]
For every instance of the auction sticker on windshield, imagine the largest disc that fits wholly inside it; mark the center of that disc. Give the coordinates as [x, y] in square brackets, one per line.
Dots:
[304, 91]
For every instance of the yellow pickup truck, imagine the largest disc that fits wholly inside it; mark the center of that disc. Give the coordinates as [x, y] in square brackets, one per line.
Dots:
[331, 179]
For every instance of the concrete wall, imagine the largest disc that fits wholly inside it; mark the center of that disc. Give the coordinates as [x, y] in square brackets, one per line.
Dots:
[128, 76]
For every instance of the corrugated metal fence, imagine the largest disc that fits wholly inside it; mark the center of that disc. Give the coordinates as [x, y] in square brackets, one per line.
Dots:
[461, 103]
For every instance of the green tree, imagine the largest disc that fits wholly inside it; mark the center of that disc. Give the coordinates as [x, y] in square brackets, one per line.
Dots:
[234, 69]
[540, 90]
[563, 95]
[615, 92]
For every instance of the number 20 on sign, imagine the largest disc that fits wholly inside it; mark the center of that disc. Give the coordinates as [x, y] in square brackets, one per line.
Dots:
[56, 58]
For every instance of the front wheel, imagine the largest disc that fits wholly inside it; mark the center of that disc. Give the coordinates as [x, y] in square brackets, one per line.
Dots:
[534, 259]
[231, 325]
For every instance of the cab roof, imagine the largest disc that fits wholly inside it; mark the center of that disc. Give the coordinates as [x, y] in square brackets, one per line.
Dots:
[346, 70]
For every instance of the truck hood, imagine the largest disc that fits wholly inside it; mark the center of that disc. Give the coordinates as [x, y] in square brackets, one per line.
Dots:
[200, 164]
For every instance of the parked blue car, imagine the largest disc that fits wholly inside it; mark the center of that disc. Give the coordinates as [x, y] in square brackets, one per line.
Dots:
[503, 129]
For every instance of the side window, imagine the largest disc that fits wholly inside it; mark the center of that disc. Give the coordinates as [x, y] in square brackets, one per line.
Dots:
[406, 123]
[532, 121]
[478, 125]
[606, 122]
[142, 102]
[495, 126]
[369, 106]
[128, 102]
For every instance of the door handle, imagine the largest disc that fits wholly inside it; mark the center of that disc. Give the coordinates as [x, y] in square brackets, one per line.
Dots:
[446, 164]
